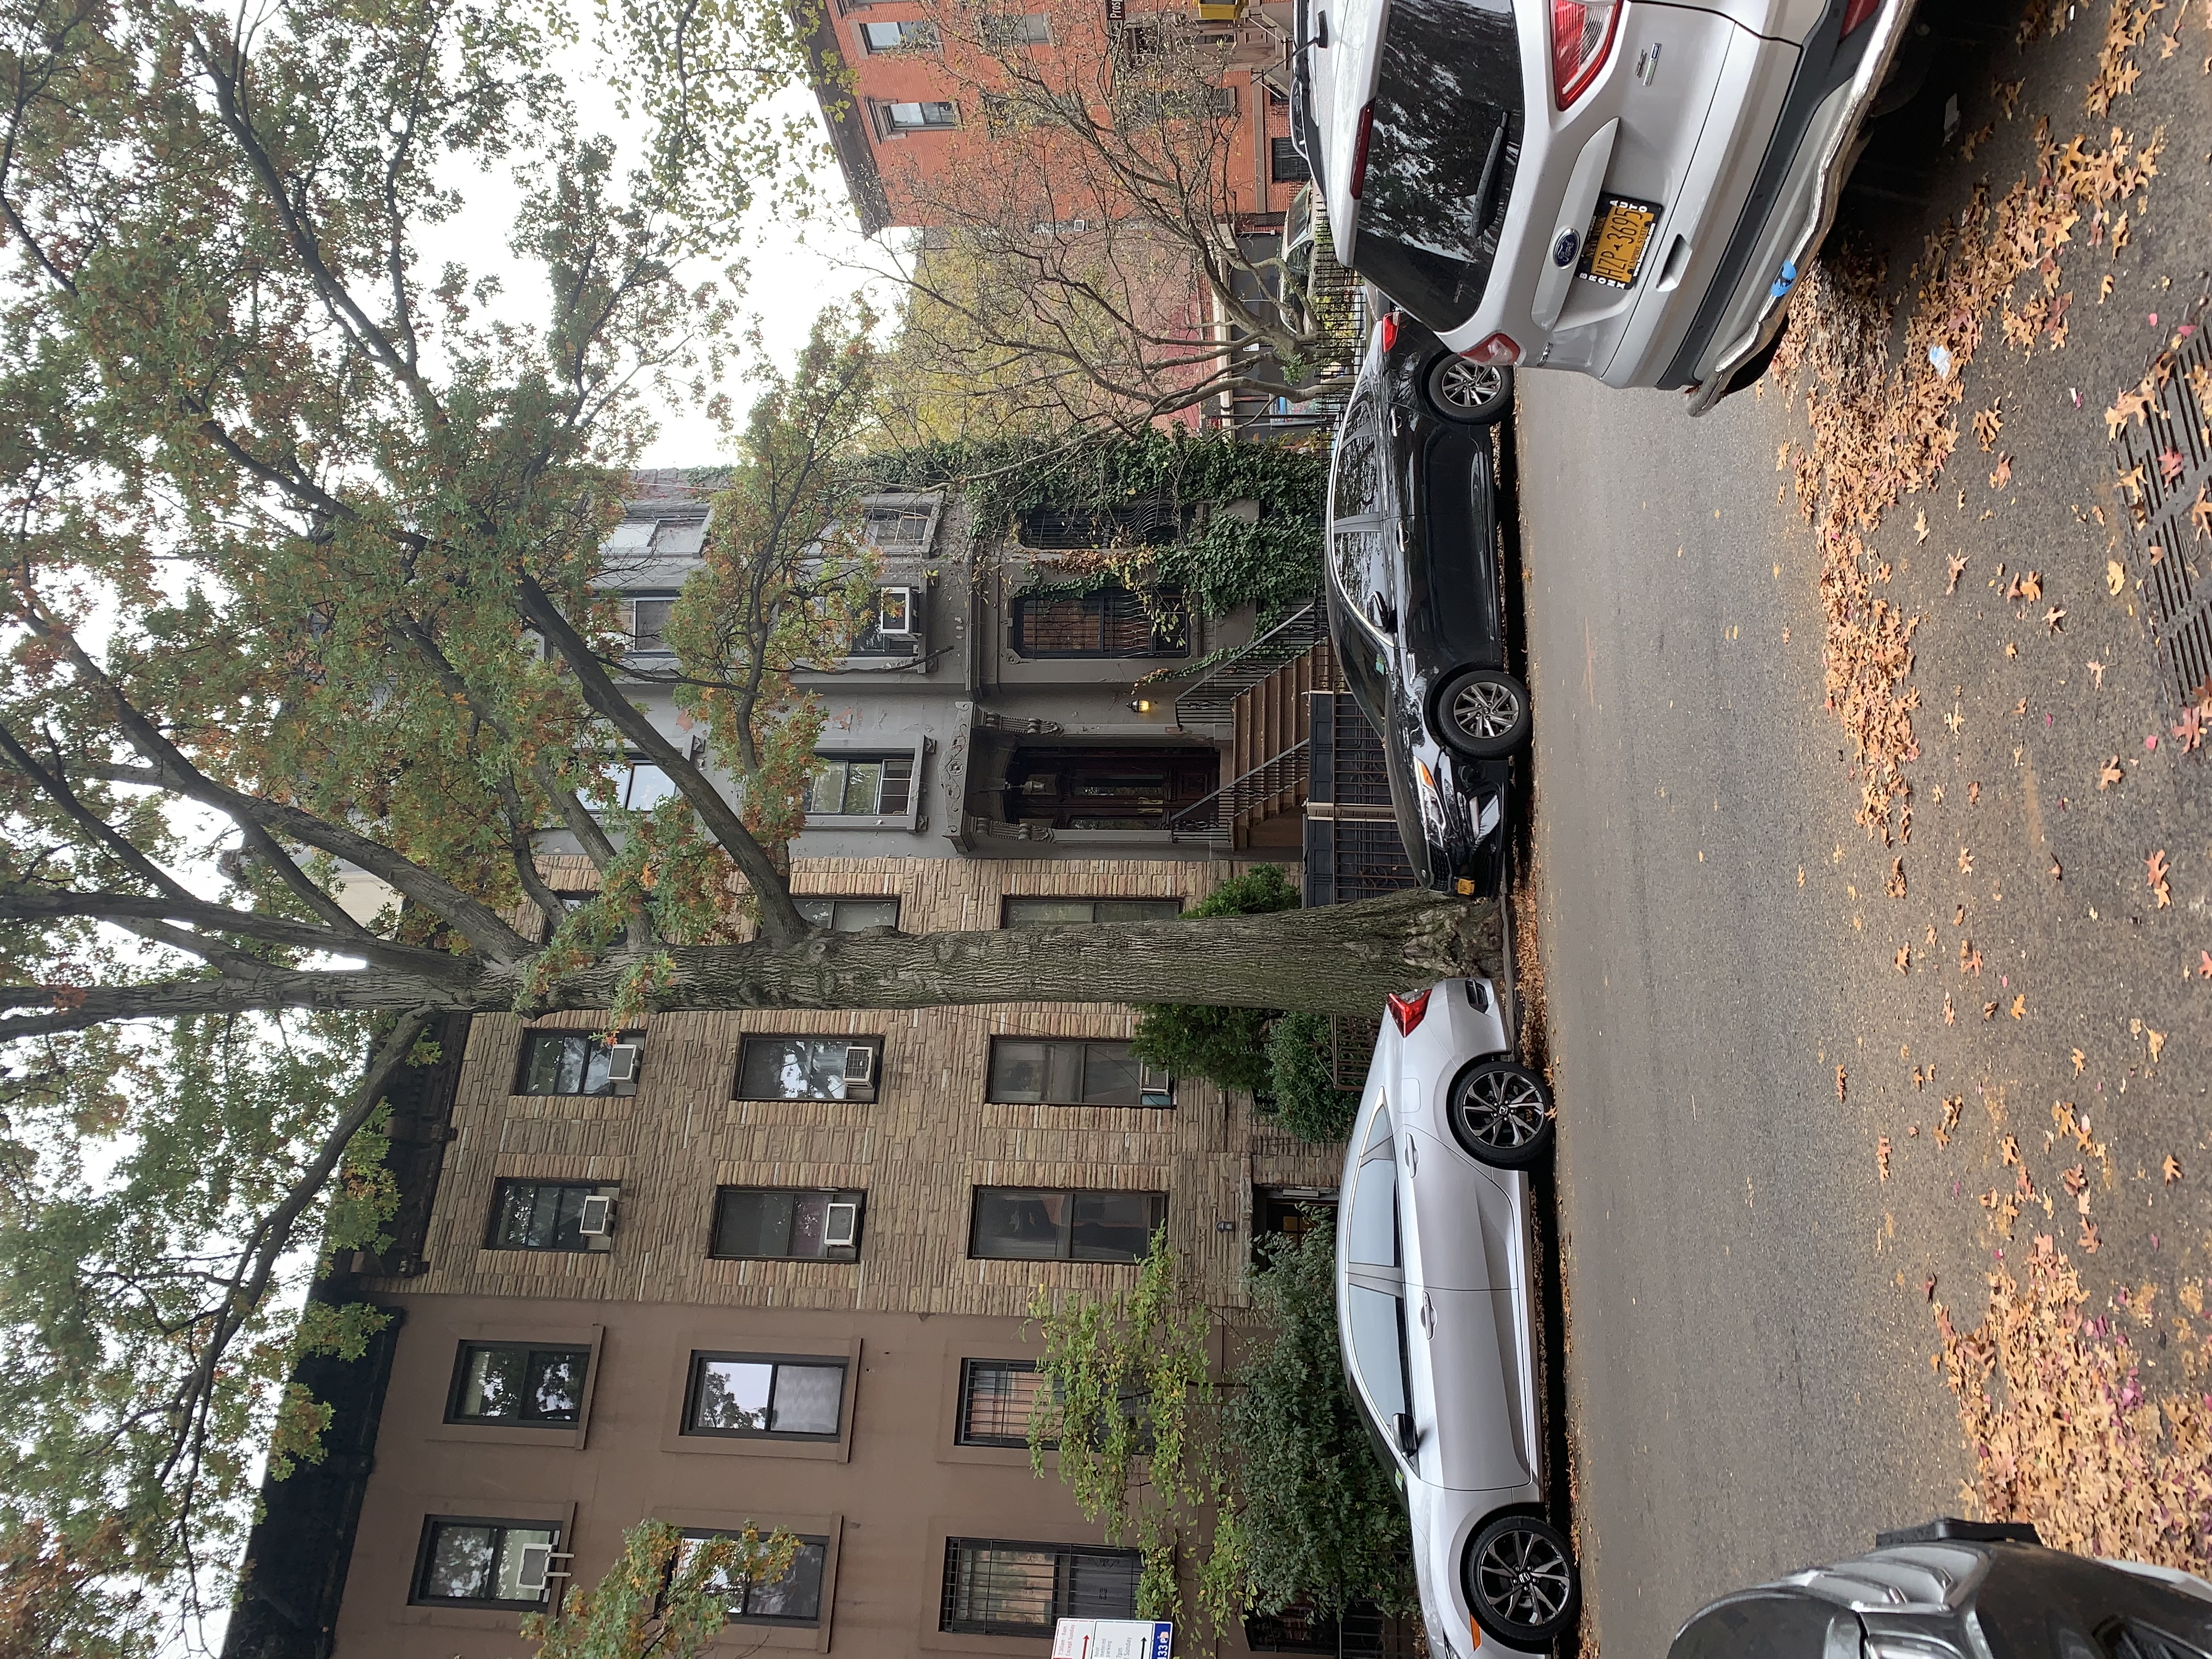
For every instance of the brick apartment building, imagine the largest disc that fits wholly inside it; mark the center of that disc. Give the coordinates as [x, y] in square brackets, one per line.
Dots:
[896, 116]
[776, 1272]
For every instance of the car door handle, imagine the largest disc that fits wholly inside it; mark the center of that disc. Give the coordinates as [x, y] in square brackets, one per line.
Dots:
[1413, 1156]
[1428, 1317]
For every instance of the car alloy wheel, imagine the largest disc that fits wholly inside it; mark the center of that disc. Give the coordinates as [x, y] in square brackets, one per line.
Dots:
[1483, 712]
[1474, 394]
[1501, 1112]
[1520, 1581]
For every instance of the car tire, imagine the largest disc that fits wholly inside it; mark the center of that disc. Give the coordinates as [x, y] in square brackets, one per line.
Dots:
[1521, 1580]
[1501, 1112]
[1471, 394]
[1483, 712]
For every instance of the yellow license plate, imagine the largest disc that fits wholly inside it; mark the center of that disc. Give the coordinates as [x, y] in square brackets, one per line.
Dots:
[1614, 250]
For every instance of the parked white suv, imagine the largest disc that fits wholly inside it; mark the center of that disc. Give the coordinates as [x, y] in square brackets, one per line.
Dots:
[1626, 189]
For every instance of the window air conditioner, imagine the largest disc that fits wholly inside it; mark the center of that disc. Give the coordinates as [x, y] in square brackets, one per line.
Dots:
[860, 1065]
[898, 613]
[842, 1227]
[622, 1062]
[533, 1568]
[1155, 1087]
[597, 1219]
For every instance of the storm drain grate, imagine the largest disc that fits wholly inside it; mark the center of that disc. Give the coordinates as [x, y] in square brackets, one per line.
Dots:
[2170, 460]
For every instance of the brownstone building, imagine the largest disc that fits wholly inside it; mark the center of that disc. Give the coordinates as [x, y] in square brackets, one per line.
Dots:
[760, 1267]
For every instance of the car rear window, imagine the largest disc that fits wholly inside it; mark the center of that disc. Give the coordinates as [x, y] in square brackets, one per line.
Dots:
[1441, 156]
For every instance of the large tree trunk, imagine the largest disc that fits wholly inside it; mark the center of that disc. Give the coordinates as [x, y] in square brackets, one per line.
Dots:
[1339, 959]
[1342, 958]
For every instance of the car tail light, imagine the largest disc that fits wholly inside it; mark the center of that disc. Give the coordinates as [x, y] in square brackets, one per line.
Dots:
[1857, 12]
[1406, 1012]
[1390, 332]
[1360, 151]
[1497, 349]
[1582, 34]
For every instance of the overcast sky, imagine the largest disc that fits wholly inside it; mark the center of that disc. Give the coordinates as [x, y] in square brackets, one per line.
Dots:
[795, 270]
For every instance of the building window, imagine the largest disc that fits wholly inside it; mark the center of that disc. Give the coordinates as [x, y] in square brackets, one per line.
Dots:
[849, 915]
[579, 1063]
[1285, 165]
[808, 1068]
[899, 37]
[896, 526]
[1030, 1223]
[1083, 912]
[648, 623]
[794, 1598]
[552, 1215]
[1007, 29]
[760, 1395]
[772, 1224]
[927, 117]
[996, 1588]
[1151, 521]
[639, 785]
[471, 1563]
[862, 785]
[1112, 622]
[515, 1383]
[997, 1398]
[1290, 1212]
[1067, 1072]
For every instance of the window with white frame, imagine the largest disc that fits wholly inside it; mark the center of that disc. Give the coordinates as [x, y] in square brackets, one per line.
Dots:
[896, 527]
[862, 785]
[648, 623]
[902, 36]
[924, 116]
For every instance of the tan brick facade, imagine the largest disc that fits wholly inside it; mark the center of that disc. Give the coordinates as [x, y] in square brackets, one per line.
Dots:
[918, 1150]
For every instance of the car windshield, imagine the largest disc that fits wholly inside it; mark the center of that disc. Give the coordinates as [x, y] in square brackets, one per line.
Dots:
[1441, 155]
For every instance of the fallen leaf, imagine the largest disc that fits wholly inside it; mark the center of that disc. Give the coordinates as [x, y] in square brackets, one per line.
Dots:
[2097, 673]
[2192, 729]
[1989, 1011]
[1966, 862]
[2089, 1241]
[1958, 567]
[2204, 964]
[2170, 1169]
[2105, 288]
[2080, 1061]
[1988, 422]
[2020, 1007]
[1839, 1082]
[1895, 885]
[2011, 651]
[2055, 618]
[2075, 1180]
[2158, 869]
[1973, 793]
[1920, 525]
[2157, 1041]
[2031, 585]
[2002, 474]
[2170, 464]
[2008, 1149]
[1881, 1157]
[2110, 772]
[1904, 958]
[2057, 872]
[1950, 1014]
[2116, 577]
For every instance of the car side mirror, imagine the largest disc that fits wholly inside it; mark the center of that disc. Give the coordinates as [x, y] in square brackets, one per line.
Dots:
[1383, 613]
[1409, 1437]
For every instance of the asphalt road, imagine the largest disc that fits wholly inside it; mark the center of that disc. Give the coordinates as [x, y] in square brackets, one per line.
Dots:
[1747, 1351]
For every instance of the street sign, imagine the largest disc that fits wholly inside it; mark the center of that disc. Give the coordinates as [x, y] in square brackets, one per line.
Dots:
[1113, 1638]
[1116, 11]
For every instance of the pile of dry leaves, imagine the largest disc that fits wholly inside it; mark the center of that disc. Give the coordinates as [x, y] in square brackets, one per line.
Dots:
[2066, 1432]
[1884, 429]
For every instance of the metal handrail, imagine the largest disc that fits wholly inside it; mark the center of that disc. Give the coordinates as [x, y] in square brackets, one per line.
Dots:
[1210, 697]
[1210, 818]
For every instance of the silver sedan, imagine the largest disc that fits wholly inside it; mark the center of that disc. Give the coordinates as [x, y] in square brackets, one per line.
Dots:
[1436, 1311]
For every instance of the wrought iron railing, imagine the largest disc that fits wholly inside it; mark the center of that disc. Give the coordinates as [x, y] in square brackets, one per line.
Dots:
[1209, 699]
[1212, 820]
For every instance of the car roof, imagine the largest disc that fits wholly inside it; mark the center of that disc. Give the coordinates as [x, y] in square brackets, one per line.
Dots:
[1343, 76]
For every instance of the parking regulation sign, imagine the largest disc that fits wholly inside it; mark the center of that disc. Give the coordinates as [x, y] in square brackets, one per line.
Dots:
[1113, 1638]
